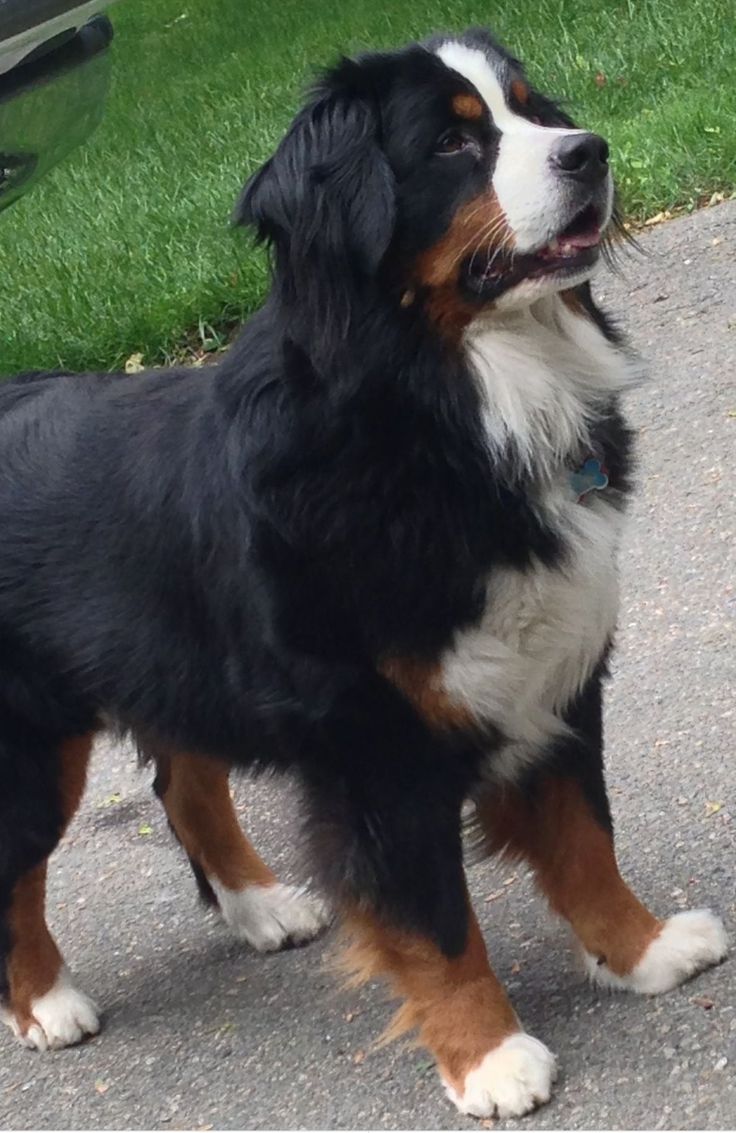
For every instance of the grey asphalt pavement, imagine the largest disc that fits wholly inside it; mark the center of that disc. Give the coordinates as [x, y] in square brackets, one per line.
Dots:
[200, 1033]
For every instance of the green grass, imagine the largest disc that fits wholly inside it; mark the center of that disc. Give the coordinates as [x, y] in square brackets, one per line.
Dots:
[125, 247]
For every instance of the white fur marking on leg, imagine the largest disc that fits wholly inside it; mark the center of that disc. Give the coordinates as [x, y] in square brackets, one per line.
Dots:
[510, 1081]
[271, 916]
[687, 943]
[63, 1016]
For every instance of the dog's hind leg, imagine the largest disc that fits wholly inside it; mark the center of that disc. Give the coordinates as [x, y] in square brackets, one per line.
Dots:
[259, 909]
[42, 790]
[461, 1012]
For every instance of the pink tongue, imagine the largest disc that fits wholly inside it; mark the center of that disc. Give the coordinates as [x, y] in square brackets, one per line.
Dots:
[568, 245]
[581, 239]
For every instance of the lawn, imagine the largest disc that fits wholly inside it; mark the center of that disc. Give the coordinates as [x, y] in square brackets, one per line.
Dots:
[126, 248]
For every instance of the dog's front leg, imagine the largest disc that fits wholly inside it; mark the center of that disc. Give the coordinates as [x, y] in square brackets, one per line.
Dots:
[385, 794]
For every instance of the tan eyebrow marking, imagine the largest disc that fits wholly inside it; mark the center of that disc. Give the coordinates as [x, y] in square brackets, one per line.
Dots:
[467, 106]
[520, 91]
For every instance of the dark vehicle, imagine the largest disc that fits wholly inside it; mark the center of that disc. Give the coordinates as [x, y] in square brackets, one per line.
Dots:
[54, 78]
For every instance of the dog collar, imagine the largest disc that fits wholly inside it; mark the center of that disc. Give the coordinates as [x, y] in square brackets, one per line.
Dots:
[591, 476]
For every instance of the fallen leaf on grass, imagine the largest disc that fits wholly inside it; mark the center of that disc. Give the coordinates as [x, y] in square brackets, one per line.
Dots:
[145, 829]
[712, 808]
[134, 364]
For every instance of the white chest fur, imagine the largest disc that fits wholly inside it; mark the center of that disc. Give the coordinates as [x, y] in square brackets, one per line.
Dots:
[545, 373]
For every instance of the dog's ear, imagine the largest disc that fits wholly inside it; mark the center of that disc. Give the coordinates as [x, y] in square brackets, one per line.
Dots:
[325, 201]
[328, 184]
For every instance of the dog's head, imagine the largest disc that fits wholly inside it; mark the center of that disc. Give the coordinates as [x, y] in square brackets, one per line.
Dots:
[435, 175]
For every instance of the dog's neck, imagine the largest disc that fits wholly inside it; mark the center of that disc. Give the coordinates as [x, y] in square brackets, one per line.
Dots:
[547, 373]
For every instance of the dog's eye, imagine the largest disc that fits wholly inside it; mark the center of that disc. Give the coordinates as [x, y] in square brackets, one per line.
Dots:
[453, 141]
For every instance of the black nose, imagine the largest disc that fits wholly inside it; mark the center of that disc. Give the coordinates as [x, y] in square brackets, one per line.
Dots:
[583, 157]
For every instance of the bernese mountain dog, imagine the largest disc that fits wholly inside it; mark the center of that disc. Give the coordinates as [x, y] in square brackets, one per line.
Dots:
[374, 547]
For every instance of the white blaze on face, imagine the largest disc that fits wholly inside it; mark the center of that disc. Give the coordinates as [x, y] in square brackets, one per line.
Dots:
[534, 200]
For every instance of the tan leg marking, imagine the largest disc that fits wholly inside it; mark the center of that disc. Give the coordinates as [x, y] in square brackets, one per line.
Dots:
[256, 906]
[575, 865]
[35, 962]
[457, 1005]
[199, 806]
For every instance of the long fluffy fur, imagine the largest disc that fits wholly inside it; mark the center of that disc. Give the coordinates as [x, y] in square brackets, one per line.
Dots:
[224, 559]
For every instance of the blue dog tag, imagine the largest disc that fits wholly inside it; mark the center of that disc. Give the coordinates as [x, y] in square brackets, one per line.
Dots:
[590, 477]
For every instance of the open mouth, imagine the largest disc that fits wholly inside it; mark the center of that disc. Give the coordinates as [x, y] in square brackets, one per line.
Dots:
[576, 247]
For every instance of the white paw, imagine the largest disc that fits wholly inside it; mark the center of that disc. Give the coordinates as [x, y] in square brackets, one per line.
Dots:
[510, 1081]
[63, 1016]
[270, 917]
[686, 943]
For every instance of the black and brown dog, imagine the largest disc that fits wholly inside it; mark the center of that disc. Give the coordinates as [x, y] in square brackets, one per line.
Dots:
[374, 547]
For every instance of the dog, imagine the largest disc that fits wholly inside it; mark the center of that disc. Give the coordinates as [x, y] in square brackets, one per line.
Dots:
[374, 547]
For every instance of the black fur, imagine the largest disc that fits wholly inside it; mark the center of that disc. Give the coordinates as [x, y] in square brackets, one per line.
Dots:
[222, 558]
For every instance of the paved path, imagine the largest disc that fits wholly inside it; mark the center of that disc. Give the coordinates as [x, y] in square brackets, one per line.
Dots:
[199, 1032]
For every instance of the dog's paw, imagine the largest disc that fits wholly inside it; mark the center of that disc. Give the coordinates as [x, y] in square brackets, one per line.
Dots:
[270, 917]
[62, 1017]
[686, 944]
[511, 1080]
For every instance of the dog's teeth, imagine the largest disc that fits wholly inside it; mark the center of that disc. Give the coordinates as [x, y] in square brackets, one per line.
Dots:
[554, 245]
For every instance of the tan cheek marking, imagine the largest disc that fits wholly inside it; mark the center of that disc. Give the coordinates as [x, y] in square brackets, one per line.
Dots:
[457, 1005]
[450, 312]
[467, 106]
[520, 91]
[575, 864]
[421, 683]
[35, 961]
[478, 226]
[196, 797]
